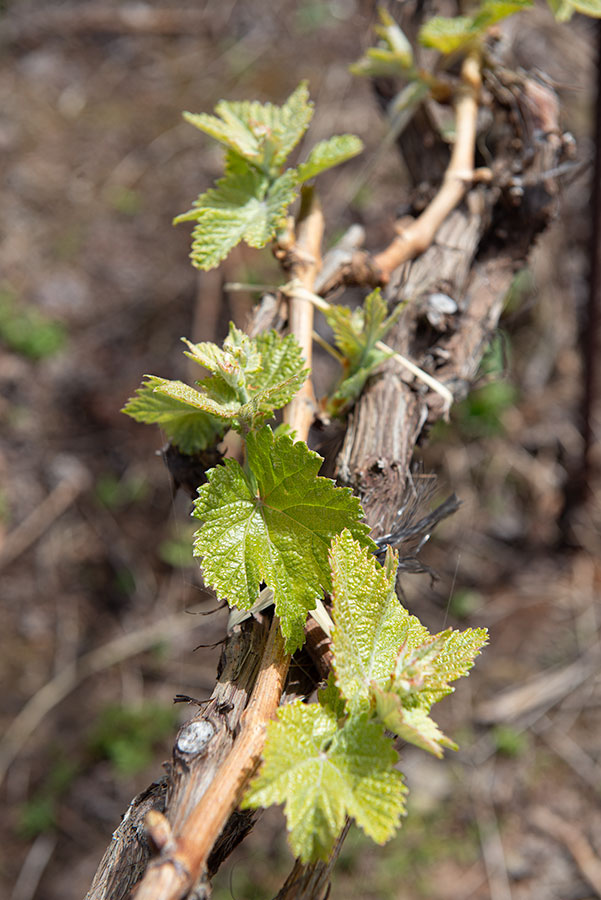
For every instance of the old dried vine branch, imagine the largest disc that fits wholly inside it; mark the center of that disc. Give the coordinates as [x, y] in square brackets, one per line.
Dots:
[185, 854]
[418, 236]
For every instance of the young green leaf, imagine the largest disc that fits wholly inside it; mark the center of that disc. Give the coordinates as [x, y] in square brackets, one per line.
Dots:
[224, 407]
[189, 428]
[228, 129]
[370, 623]
[393, 55]
[251, 378]
[420, 678]
[447, 34]
[587, 7]
[450, 34]
[264, 134]
[412, 724]
[245, 205]
[455, 659]
[323, 773]
[239, 357]
[493, 11]
[329, 153]
[274, 527]
[356, 334]
[250, 203]
[331, 699]
[252, 366]
[385, 658]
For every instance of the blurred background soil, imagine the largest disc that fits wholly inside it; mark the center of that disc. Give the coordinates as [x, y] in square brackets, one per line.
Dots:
[96, 290]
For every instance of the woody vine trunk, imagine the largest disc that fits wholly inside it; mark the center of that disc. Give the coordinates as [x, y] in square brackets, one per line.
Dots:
[471, 259]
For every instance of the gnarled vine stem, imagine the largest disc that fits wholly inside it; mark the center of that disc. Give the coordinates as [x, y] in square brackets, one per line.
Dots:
[184, 855]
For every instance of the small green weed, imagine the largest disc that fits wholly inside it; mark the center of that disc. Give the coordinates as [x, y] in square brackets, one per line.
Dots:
[124, 200]
[128, 735]
[38, 814]
[480, 414]
[508, 741]
[27, 331]
[176, 551]
[465, 602]
[116, 493]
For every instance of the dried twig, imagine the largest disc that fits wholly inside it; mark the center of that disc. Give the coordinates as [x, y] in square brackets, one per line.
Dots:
[576, 842]
[38, 857]
[543, 691]
[184, 857]
[98, 660]
[54, 505]
[418, 236]
[493, 853]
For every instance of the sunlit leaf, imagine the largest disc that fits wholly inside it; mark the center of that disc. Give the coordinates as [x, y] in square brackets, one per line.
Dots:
[329, 153]
[370, 623]
[447, 34]
[277, 531]
[188, 427]
[587, 7]
[322, 773]
[245, 205]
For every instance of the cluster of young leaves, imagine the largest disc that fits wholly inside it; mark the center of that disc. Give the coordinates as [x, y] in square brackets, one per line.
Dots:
[249, 380]
[563, 10]
[393, 56]
[449, 35]
[250, 202]
[356, 335]
[328, 760]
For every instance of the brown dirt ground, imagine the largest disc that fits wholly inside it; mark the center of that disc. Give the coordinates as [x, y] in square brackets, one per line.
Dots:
[96, 161]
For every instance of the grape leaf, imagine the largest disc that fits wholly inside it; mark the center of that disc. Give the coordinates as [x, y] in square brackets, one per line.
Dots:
[493, 11]
[278, 531]
[323, 773]
[587, 7]
[392, 56]
[412, 724]
[329, 153]
[356, 334]
[264, 134]
[228, 129]
[447, 34]
[420, 678]
[190, 429]
[450, 34]
[251, 379]
[244, 205]
[384, 657]
[239, 357]
[370, 623]
[225, 407]
[331, 698]
[251, 365]
[455, 660]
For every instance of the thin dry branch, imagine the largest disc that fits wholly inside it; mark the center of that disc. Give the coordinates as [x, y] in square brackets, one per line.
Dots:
[176, 870]
[418, 236]
[76, 481]
[375, 459]
[98, 660]
[184, 856]
[574, 840]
